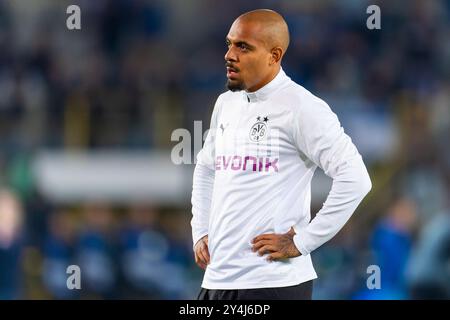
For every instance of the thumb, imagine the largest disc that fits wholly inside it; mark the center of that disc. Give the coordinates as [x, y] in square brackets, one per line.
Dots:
[291, 232]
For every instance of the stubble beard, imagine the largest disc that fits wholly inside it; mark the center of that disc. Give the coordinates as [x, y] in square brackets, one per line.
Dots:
[235, 85]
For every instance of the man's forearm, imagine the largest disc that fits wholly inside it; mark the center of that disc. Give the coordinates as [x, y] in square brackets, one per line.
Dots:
[202, 189]
[350, 186]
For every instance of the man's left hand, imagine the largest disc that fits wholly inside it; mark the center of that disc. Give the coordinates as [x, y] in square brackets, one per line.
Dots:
[277, 246]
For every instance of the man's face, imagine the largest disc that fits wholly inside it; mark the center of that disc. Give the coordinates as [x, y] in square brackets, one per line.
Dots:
[247, 58]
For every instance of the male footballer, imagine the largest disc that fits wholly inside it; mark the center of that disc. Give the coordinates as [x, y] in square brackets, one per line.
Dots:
[251, 226]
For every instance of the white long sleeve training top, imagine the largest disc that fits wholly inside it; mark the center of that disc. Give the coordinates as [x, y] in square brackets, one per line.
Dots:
[253, 176]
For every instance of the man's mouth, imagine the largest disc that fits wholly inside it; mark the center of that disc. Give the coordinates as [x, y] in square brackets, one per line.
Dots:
[231, 71]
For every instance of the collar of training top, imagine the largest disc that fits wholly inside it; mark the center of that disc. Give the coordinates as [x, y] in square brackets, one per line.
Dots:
[262, 93]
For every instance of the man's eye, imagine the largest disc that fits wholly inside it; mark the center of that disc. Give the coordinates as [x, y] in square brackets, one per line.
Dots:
[243, 47]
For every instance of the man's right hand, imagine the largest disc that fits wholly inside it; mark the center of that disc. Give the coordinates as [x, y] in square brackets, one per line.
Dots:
[201, 252]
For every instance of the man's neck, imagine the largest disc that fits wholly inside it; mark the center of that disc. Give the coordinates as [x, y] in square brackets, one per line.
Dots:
[269, 78]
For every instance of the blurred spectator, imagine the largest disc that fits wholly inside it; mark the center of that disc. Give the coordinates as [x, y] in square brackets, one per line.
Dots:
[392, 242]
[429, 267]
[59, 253]
[11, 221]
[96, 252]
[146, 256]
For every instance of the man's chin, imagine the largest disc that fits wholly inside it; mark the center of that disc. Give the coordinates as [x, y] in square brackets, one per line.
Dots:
[234, 85]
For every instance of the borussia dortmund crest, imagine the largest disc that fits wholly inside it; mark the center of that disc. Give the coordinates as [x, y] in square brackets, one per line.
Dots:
[259, 129]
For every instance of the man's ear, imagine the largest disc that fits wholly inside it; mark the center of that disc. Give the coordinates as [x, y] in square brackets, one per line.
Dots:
[276, 55]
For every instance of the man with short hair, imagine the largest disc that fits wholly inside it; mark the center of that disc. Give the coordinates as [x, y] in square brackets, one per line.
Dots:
[251, 192]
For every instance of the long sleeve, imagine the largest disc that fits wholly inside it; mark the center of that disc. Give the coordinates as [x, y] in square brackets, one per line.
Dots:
[203, 181]
[320, 137]
[202, 188]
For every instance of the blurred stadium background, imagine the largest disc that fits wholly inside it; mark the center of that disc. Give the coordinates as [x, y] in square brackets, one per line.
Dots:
[86, 119]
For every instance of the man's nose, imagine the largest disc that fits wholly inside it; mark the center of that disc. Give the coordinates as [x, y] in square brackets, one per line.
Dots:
[230, 55]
